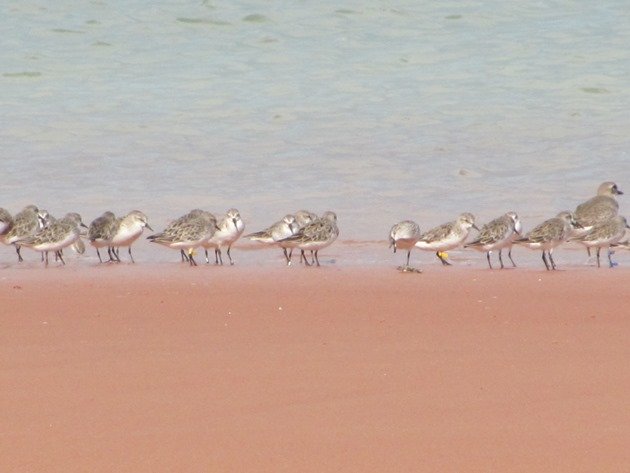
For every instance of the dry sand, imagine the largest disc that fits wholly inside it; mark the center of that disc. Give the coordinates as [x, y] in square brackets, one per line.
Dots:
[161, 367]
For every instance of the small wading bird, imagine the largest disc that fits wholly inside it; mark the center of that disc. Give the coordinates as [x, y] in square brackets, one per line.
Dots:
[403, 236]
[314, 237]
[56, 236]
[496, 235]
[447, 236]
[187, 233]
[548, 235]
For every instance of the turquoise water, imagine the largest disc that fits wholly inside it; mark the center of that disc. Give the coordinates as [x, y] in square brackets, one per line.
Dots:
[420, 110]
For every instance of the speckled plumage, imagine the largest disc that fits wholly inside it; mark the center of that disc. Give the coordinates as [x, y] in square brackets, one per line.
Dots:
[277, 232]
[101, 231]
[315, 236]
[497, 235]
[548, 235]
[56, 236]
[127, 230]
[447, 236]
[187, 232]
[6, 222]
[304, 218]
[25, 224]
[229, 229]
[598, 209]
[604, 235]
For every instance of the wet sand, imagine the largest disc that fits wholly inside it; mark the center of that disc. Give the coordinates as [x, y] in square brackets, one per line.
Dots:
[161, 367]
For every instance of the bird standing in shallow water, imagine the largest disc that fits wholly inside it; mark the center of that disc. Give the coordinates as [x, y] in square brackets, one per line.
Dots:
[604, 235]
[548, 235]
[277, 233]
[447, 236]
[597, 210]
[315, 236]
[403, 236]
[229, 229]
[56, 236]
[496, 235]
[187, 233]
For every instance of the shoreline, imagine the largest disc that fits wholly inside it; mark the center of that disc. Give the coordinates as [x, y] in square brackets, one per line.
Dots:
[350, 253]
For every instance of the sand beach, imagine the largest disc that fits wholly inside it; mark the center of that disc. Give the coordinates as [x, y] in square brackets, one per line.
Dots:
[162, 367]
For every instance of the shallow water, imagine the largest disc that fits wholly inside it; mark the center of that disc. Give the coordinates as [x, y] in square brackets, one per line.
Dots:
[420, 111]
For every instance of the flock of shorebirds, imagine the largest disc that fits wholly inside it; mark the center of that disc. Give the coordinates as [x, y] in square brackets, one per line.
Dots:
[36, 229]
[594, 223]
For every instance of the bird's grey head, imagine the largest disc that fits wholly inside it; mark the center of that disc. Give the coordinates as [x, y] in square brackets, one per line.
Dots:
[74, 218]
[330, 216]
[608, 188]
[467, 220]
[234, 216]
[569, 218]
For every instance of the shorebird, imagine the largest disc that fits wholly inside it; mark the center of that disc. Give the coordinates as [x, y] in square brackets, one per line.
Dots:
[604, 235]
[56, 236]
[314, 236]
[548, 235]
[403, 236]
[100, 233]
[447, 236]
[229, 229]
[25, 224]
[127, 230]
[598, 209]
[187, 233]
[304, 217]
[6, 222]
[496, 235]
[277, 233]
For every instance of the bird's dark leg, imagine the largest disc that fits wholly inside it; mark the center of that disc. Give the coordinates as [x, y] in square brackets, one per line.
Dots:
[17, 250]
[191, 259]
[130, 255]
[286, 256]
[598, 257]
[488, 258]
[316, 258]
[544, 258]
[218, 257]
[553, 263]
[229, 256]
[302, 255]
[510, 256]
[58, 255]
